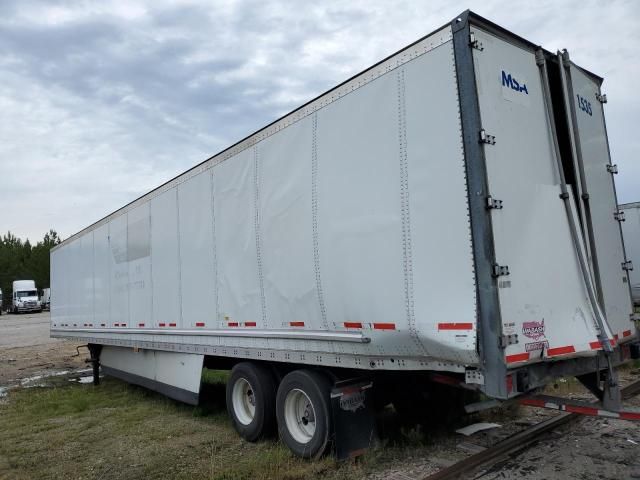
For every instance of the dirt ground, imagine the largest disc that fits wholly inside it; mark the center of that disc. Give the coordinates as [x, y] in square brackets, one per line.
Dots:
[53, 426]
[26, 349]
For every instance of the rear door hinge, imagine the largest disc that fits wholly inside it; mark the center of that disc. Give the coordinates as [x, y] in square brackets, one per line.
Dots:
[486, 138]
[473, 376]
[628, 265]
[474, 42]
[601, 97]
[500, 270]
[612, 168]
[619, 215]
[494, 203]
[506, 340]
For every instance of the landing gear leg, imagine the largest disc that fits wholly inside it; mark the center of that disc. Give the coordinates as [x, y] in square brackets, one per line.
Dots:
[94, 351]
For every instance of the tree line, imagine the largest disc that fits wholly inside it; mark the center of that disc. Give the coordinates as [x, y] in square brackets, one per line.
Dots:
[20, 260]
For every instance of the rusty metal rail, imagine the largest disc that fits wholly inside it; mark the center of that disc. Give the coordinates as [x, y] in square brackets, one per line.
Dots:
[516, 442]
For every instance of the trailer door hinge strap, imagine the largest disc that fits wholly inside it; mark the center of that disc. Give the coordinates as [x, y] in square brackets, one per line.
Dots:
[506, 340]
[619, 215]
[628, 265]
[486, 138]
[612, 168]
[474, 42]
[494, 203]
[602, 98]
[500, 270]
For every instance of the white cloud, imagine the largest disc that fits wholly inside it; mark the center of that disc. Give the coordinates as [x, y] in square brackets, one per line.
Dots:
[102, 101]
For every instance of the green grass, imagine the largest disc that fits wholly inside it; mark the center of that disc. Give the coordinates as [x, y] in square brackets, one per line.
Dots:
[215, 377]
[119, 431]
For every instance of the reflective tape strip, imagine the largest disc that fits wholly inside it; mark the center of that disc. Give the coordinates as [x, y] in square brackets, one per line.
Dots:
[626, 333]
[141, 324]
[455, 326]
[517, 357]
[352, 324]
[199, 324]
[172, 325]
[232, 324]
[533, 402]
[552, 352]
[557, 404]
[296, 324]
[596, 345]
[581, 410]
[162, 324]
[384, 326]
[249, 324]
[630, 415]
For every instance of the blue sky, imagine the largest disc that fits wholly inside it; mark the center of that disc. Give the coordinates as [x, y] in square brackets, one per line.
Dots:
[102, 101]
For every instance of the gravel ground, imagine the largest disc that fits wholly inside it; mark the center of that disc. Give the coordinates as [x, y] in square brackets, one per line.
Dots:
[592, 448]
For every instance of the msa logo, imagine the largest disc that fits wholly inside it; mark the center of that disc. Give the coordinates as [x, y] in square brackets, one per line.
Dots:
[510, 81]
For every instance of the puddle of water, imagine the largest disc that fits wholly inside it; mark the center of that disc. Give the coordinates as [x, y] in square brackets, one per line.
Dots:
[39, 381]
[28, 380]
[82, 379]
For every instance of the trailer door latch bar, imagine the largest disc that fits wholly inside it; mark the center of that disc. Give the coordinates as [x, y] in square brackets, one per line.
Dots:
[619, 215]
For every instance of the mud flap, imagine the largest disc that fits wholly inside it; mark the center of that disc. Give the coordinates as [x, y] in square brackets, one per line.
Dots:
[353, 418]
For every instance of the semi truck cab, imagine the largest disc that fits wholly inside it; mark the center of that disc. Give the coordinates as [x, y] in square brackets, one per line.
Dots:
[25, 297]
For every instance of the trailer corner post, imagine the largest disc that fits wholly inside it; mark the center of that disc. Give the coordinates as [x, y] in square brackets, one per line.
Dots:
[489, 319]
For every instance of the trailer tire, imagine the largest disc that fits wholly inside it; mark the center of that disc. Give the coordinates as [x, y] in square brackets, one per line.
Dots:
[251, 395]
[303, 409]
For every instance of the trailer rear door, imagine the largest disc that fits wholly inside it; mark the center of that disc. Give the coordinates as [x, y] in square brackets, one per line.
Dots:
[593, 153]
[543, 298]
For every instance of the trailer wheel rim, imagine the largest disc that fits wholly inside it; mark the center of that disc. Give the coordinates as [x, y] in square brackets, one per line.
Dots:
[244, 401]
[299, 416]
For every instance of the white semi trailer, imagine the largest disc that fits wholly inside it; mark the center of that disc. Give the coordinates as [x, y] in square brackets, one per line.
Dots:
[448, 212]
[631, 235]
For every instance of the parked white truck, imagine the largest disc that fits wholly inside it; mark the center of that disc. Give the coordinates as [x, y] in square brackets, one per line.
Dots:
[446, 215]
[25, 297]
[631, 234]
